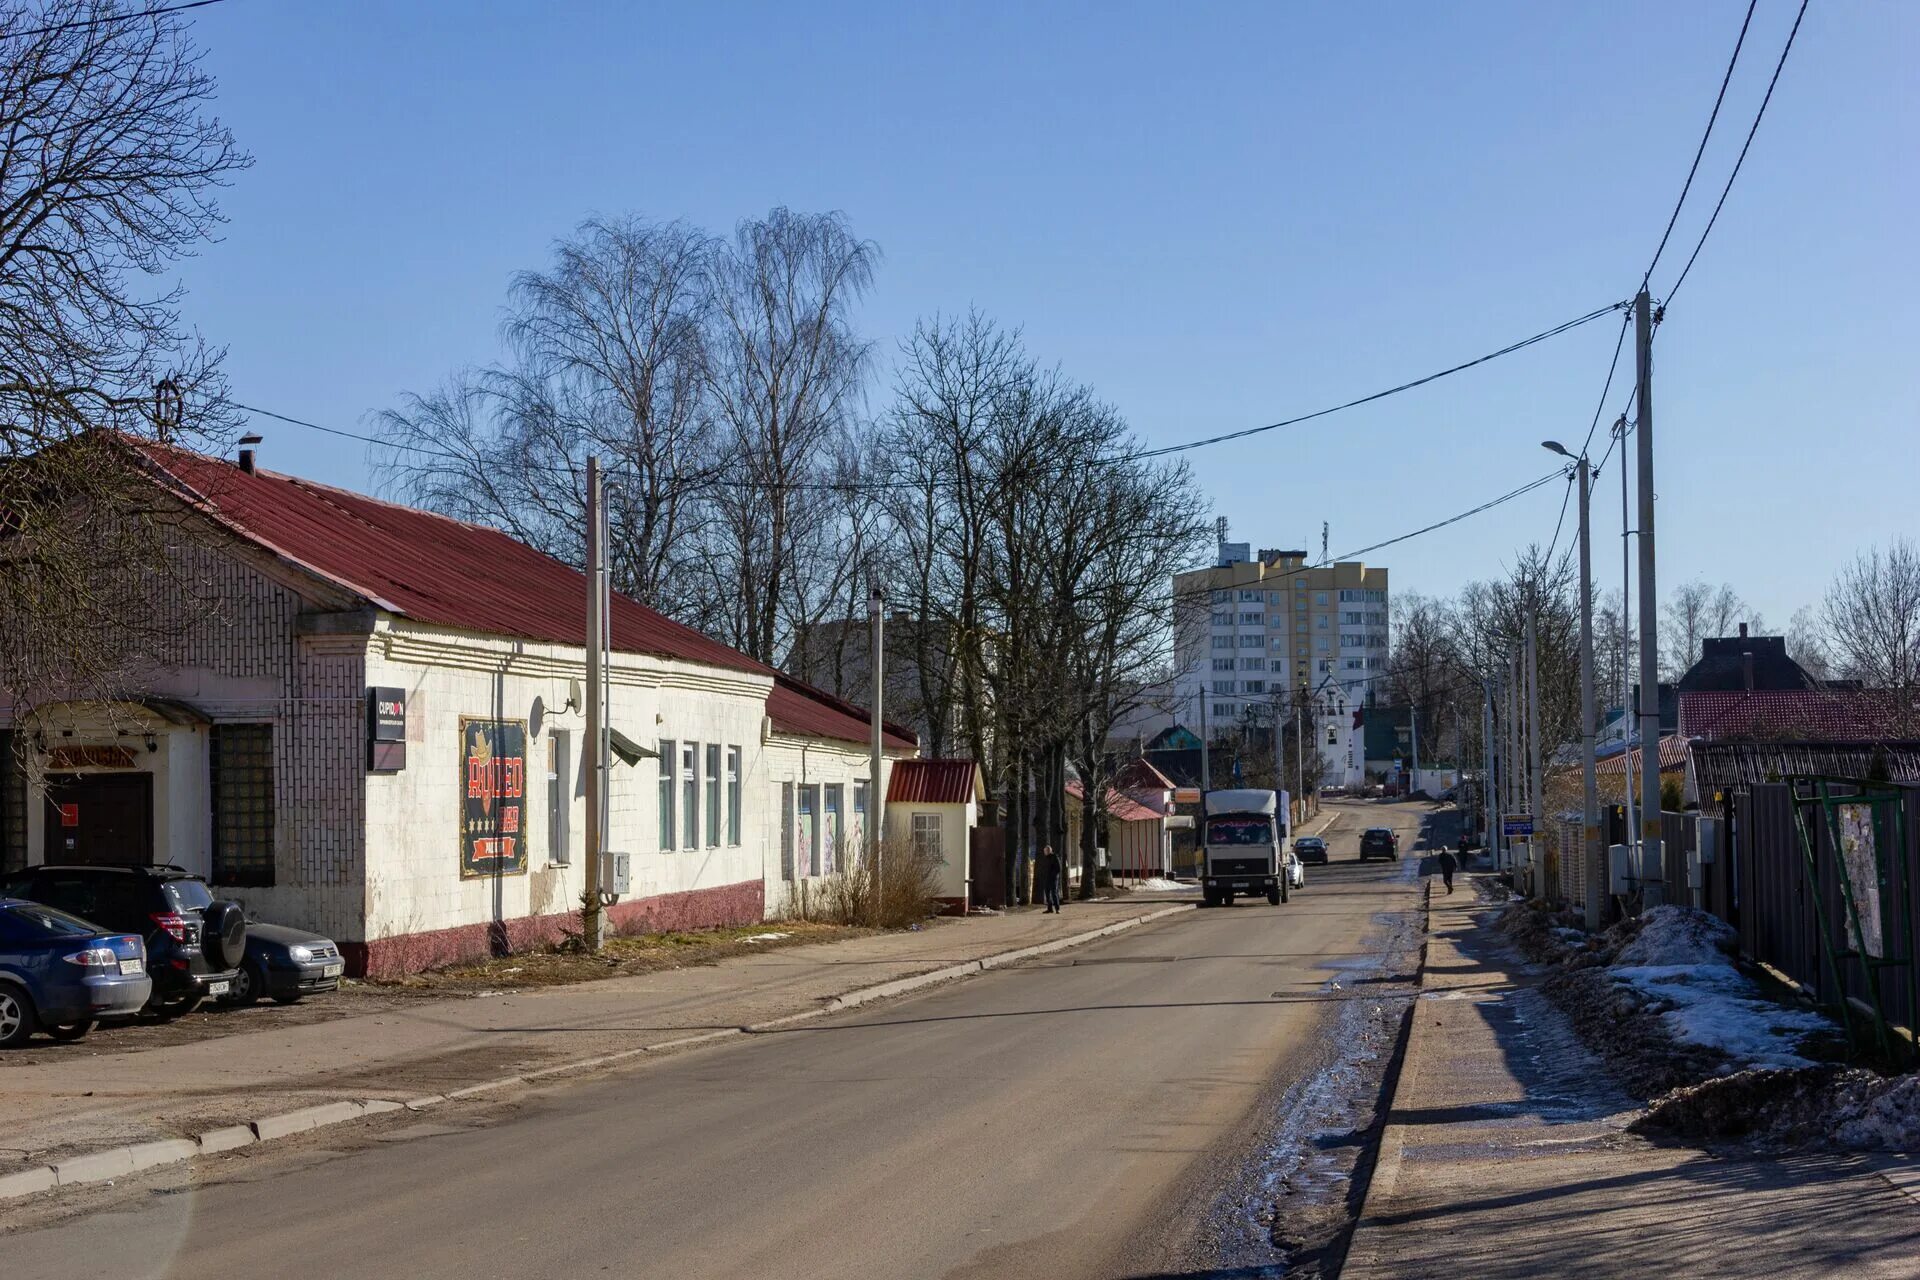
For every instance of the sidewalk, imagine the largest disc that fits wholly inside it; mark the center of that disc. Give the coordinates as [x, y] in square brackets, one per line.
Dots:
[88, 1102]
[1505, 1155]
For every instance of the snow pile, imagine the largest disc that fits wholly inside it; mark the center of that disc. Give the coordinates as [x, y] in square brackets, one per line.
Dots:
[1716, 1006]
[1671, 935]
[1158, 884]
[1822, 1107]
[765, 937]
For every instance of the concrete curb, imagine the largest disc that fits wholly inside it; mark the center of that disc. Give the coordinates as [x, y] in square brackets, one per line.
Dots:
[117, 1162]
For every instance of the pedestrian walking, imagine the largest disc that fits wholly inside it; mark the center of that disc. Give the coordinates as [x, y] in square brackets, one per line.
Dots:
[1447, 866]
[1049, 870]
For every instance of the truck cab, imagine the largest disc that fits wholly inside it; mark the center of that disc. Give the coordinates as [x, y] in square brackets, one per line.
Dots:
[1240, 843]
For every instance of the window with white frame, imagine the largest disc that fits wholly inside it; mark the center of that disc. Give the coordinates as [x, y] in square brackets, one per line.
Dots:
[690, 793]
[1223, 686]
[1320, 644]
[1254, 686]
[925, 832]
[1223, 619]
[1221, 597]
[1277, 620]
[1278, 642]
[1251, 597]
[1251, 618]
[1253, 664]
[1223, 664]
[669, 752]
[1319, 597]
[1252, 642]
[1223, 642]
[1223, 711]
[712, 780]
[733, 796]
[1320, 623]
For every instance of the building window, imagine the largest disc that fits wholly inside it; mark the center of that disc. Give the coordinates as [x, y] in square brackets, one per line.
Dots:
[1320, 644]
[1223, 619]
[1252, 642]
[733, 796]
[241, 769]
[668, 754]
[1222, 597]
[1223, 642]
[1333, 736]
[1352, 640]
[926, 835]
[1223, 664]
[1273, 597]
[1223, 711]
[1319, 597]
[1353, 664]
[860, 807]
[1277, 620]
[1254, 686]
[1320, 623]
[836, 834]
[1223, 686]
[1326, 664]
[1253, 664]
[786, 831]
[713, 795]
[690, 794]
[13, 806]
[810, 830]
[559, 796]
[1251, 619]
[1279, 642]
[1251, 597]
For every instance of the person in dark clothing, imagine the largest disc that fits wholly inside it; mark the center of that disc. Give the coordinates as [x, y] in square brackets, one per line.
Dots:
[1049, 875]
[1447, 866]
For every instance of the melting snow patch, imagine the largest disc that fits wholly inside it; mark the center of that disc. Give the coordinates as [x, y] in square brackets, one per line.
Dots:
[1713, 1004]
[764, 937]
[1158, 884]
[1672, 935]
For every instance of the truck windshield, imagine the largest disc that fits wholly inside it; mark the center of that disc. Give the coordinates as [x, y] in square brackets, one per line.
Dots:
[1239, 831]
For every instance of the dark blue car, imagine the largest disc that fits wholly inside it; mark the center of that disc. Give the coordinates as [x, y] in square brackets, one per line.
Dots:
[60, 974]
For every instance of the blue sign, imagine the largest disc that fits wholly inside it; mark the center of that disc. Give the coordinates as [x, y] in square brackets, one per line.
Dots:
[1517, 824]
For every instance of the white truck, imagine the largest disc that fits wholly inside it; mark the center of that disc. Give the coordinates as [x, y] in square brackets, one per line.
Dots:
[1241, 846]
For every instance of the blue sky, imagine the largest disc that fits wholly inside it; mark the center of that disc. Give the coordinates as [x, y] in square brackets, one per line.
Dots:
[1218, 215]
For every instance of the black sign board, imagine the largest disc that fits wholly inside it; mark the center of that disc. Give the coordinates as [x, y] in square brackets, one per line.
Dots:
[493, 786]
[386, 730]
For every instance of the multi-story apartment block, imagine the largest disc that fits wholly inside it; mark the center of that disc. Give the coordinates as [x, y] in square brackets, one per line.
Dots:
[1253, 631]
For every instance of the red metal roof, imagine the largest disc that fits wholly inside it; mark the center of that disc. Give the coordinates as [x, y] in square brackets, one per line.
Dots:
[1807, 715]
[1673, 755]
[1140, 775]
[799, 708]
[933, 782]
[1118, 805]
[423, 566]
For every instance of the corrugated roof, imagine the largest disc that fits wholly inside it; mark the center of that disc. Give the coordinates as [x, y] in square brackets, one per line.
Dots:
[799, 708]
[1837, 715]
[1118, 805]
[423, 566]
[933, 782]
[1738, 765]
[1673, 755]
[1140, 775]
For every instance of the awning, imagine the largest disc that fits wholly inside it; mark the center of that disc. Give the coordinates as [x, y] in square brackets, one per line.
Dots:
[629, 751]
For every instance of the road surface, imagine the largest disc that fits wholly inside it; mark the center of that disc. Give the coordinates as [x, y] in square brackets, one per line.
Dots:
[1070, 1117]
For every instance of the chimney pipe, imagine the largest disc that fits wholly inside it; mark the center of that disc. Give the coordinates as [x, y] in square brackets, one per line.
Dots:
[1743, 631]
[246, 452]
[1746, 668]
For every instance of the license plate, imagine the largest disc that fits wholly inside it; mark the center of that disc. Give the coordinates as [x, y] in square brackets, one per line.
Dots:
[133, 966]
[333, 970]
[216, 988]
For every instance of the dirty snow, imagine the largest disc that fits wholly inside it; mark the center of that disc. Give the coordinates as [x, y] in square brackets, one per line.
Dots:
[1717, 1006]
[1158, 884]
[765, 937]
[1891, 1122]
[1672, 935]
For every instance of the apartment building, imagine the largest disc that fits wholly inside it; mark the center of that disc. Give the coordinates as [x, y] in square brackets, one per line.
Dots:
[1252, 631]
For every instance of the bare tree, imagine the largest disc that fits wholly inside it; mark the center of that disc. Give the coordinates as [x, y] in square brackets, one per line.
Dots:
[608, 356]
[1694, 612]
[108, 176]
[784, 372]
[1871, 617]
[1806, 646]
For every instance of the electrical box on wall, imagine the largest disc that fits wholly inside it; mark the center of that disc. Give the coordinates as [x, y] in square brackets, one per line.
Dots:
[616, 869]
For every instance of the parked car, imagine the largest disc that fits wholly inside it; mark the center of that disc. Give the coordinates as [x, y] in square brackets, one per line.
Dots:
[1296, 873]
[1310, 849]
[61, 974]
[194, 942]
[1379, 842]
[285, 964]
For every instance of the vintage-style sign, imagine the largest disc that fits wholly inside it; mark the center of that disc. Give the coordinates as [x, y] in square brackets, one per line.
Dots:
[493, 779]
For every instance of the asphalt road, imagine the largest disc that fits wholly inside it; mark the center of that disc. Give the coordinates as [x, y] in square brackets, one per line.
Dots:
[1064, 1118]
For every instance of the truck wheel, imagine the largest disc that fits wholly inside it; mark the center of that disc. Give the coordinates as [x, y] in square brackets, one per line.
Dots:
[1226, 899]
[1209, 898]
[1276, 895]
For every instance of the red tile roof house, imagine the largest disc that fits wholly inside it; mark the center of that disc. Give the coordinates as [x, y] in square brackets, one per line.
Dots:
[255, 761]
[934, 805]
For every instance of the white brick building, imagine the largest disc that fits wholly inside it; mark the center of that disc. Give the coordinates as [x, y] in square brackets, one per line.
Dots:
[250, 756]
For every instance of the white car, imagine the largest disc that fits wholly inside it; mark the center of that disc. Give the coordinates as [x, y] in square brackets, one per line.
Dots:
[1296, 872]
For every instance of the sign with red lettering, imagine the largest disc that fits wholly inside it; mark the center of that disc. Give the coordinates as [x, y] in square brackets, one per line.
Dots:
[493, 789]
[69, 815]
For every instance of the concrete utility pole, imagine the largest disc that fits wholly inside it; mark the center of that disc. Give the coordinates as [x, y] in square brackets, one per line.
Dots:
[1649, 599]
[592, 917]
[876, 786]
[1534, 775]
[1515, 770]
[1626, 637]
[1413, 751]
[1492, 837]
[1300, 748]
[1590, 821]
[1206, 778]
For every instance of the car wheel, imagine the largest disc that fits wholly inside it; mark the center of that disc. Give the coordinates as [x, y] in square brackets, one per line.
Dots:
[16, 1016]
[1276, 896]
[69, 1030]
[246, 987]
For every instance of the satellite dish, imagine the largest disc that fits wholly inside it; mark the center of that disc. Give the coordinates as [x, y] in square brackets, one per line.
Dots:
[574, 700]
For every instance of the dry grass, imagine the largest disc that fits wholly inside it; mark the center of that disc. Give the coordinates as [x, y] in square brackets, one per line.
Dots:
[906, 893]
[564, 963]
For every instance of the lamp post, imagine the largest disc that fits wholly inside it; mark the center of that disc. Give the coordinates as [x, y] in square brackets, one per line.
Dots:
[1590, 817]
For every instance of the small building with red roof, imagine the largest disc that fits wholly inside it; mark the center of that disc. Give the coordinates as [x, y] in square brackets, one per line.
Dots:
[933, 807]
[369, 721]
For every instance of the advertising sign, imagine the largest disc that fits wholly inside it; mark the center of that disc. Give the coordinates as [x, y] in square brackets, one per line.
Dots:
[493, 787]
[1517, 824]
[386, 730]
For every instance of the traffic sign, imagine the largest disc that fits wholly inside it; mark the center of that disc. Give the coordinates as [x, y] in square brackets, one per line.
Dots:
[1517, 824]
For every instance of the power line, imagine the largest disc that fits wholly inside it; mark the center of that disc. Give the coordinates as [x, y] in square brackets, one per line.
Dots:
[106, 18]
[1381, 395]
[1757, 117]
[1694, 168]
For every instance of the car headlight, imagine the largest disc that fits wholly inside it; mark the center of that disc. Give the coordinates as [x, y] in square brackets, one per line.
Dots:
[300, 954]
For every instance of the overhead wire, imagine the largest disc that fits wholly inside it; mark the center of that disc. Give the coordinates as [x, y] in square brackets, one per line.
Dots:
[106, 18]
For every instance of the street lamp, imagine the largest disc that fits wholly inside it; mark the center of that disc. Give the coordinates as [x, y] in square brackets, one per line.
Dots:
[1590, 820]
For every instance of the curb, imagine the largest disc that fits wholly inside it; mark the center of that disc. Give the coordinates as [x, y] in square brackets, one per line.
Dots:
[118, 1162]
[1359, 1253]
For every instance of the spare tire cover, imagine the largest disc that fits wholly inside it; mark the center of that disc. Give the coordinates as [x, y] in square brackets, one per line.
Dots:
[224, 939]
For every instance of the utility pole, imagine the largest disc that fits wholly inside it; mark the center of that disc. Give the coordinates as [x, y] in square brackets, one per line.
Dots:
[1596, 885]
[1487, 798]
[876, 788]
[1413, 772]
[1626, 641]
[592, 917]
[1300, 746]
[1649, 600]
[1206, 779]
[1514, 768]
[1534, 788]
